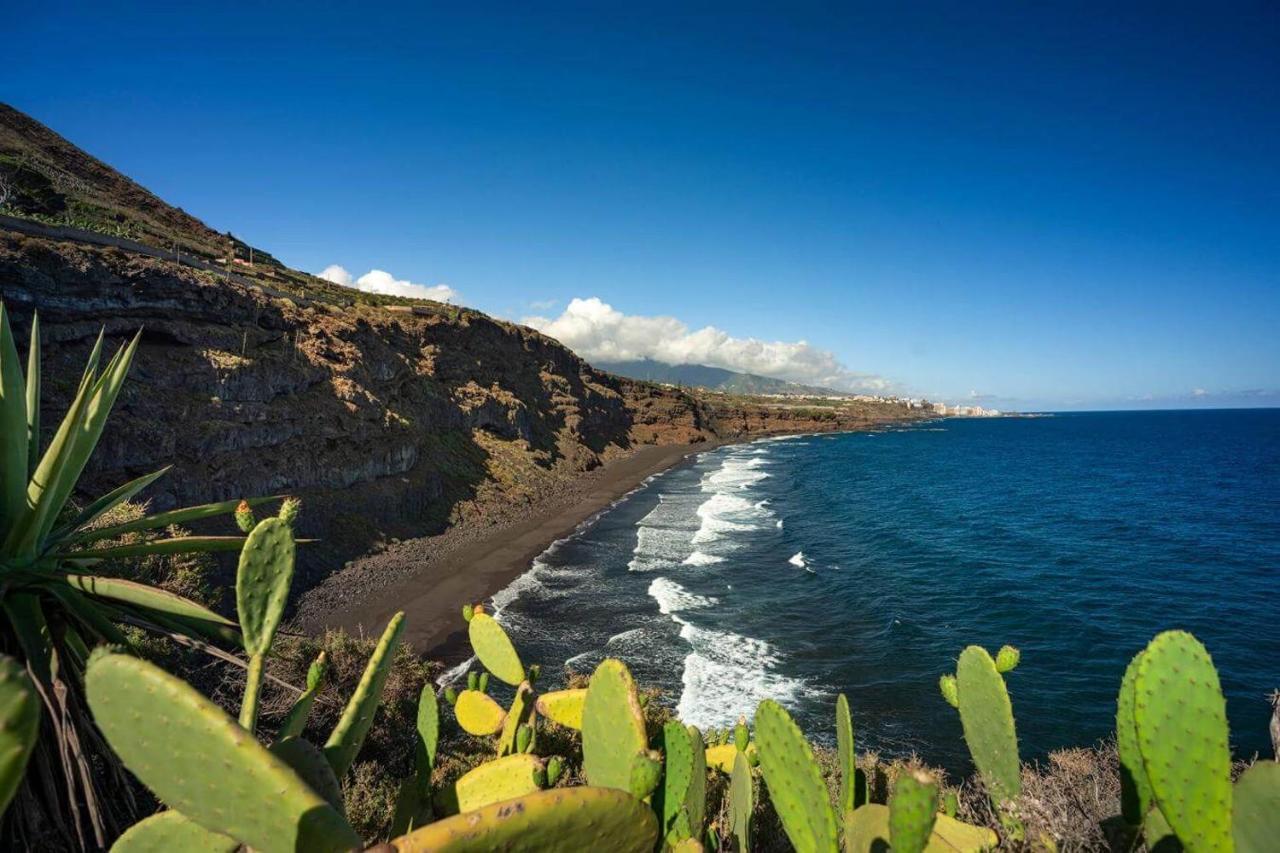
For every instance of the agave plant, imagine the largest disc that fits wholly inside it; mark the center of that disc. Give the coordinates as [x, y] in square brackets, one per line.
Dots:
[56, 609]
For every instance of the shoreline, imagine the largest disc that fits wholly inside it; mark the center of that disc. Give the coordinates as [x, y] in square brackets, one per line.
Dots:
[435, 575]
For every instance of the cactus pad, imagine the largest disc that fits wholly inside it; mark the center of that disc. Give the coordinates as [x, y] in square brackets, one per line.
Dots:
[563, 707]
[987, 717]
[684, 784]
[741, 802]
[517, 717]
[492, 782]
[1255, 816]
[296, 720]
[428, 734]
[478, 713]
[262, 582]
[19, 724]
[912, 809]
[846, 754]
[947, 685]
[347, 736]
[562, 819]
[169, 831]
[867, 829]
[612, 726]
[492, 645]
[646, 773]
[1007, 658]
[308, 761]
[1181, 721]
[1135, 790]
[795, 781]
[721, 757]
[198, 760]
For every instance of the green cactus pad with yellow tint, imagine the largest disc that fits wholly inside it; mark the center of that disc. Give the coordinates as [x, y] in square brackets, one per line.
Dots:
[517, 716]
[491, 782]
[262, 582]
[1135, 790]
[563, 707]
[494, 649]
[741, 802]
[197, 760]
[612, 727]
[912, 809]
[561, 820]
[1180, 717]
[796, 787]
[721, 757]
[348, 735]
[846, 754]
[478, 713]
[866, 829]
[1255, 816]
[171, 831]
[987, 717]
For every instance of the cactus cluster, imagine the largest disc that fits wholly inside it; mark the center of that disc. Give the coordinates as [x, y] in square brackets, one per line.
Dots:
[225, 790]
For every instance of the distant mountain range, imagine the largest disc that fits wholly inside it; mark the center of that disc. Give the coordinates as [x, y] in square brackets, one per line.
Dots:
[710, 378]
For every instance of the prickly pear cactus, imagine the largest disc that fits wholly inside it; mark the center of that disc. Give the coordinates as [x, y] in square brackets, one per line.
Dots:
[794, 779]
[307, 760]
[912, 809]
[721, 756]
[612, 727]
[494, 649]
[947, 684]
[428, 734]
[741, 802]
[170, 831]
[563, 707]
[646, 773]
[245, 519]
[492, 782]
[1007, 658]
[684, 782]
[347, 736]
[1180, 717]
[846, 754]
[19, 724]
[262, 582]
[517, 719]
[478, 713]
[197, 760]
[296, 720]
[987, 717]
[1255, 819]
[1135, 790]
[866, 830]
[563, 819]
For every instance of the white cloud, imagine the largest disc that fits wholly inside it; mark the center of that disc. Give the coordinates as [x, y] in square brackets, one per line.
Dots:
[1198, 392]
[543, 304]
[381, 281]
[598, 332]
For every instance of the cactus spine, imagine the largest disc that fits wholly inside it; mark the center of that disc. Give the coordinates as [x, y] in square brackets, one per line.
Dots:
[199, 761]
[911, 812]
[262, 587]
[19, 725]
[558, 819]
[347, 736]
[794, 779]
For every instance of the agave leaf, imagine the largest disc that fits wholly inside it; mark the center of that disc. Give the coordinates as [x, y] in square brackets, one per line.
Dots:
[13, 428]
[27, 619]
[175, 545]
[108, 502]
[143, 596]
[33, 394]
[103, 399]
[164, 519]
[89, 613]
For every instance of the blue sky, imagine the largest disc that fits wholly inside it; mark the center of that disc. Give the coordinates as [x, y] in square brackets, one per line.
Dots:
[1029, 208]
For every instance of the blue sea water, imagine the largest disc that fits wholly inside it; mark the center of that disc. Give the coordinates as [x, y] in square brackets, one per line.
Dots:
[863, 563]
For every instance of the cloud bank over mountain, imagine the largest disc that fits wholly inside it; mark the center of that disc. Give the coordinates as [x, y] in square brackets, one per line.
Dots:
[599, 332]
[381, 281]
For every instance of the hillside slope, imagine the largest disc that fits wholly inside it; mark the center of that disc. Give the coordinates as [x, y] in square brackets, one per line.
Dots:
[709, 378]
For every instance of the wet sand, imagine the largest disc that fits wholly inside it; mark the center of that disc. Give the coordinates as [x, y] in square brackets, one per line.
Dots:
[435, 576]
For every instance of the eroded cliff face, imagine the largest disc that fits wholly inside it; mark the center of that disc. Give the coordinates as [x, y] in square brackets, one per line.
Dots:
[388, 422]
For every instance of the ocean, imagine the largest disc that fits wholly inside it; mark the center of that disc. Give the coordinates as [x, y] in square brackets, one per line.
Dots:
[863, 563]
